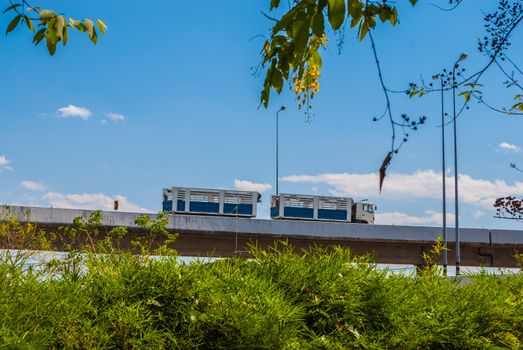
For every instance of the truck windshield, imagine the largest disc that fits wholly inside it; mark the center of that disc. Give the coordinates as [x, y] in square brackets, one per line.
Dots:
[369, 208]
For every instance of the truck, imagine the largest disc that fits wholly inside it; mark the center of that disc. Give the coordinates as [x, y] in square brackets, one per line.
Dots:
[321, 208]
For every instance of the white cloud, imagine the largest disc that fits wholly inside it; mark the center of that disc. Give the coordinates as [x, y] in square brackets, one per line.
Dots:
[91, 201]
[397, 218]
[72, 111]
[245, 185]
[478, 214]
[115, 117]
[484, 192]
[33, 186]
[508, 147]
[4, 163]
[420, 184]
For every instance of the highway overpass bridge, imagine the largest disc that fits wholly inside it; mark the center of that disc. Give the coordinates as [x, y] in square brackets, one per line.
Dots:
[212, 236]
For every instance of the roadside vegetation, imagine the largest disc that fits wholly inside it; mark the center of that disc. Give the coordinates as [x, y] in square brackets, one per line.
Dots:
[102, 295]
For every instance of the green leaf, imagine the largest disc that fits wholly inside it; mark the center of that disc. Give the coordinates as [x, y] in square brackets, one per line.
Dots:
[466, 94]
[384, 13]
[13, 24]
[46, 14]
[518, 106]
[101, 25]
[316, 60]
[77, 24]
[371, 22]
[363, 30]
[371, 10]
[394, 16]
[473, 85]
[51, 47]
[274, 4]
[265, 94]
[283, 22]
[277, 80]
[266, 47]
[39, 36]
[300, 33]
[89, 25]
[355, 11]
[51, 40]
[336, 13]
[65, 35]
[11, 7]
[354, 21]
[29, 24]
[318, 24]
[94, 38]
[59, 26]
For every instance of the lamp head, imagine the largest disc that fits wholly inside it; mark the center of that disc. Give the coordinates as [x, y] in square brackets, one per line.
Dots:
[283, 107]
[463, 56]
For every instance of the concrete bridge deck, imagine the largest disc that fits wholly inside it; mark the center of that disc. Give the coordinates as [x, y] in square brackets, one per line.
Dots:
[228, 236]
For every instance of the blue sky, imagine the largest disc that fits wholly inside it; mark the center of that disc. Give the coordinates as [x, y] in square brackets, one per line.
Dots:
[167, 98]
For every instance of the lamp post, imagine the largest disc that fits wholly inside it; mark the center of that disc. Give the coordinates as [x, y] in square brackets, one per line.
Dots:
[445, 257]
[282, 108]
[462, 57]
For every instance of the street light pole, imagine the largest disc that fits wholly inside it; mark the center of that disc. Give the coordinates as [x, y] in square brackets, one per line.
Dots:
[282, 108]
[462, 57]
[445, 244]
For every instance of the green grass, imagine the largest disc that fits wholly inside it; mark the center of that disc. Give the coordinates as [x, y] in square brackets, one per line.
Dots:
[107, 298]
[279, 300]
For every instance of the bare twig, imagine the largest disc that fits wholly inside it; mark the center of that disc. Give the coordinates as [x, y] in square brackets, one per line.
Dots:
[385, 91]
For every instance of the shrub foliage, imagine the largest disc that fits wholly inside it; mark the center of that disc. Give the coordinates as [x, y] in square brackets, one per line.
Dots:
[104, 297]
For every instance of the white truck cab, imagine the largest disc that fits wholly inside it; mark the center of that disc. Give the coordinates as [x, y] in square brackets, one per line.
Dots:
[363, 212]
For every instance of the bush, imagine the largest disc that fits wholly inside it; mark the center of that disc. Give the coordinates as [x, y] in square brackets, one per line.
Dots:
[104, 297]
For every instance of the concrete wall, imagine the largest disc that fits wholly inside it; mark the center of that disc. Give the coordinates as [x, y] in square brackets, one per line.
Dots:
[292, 228]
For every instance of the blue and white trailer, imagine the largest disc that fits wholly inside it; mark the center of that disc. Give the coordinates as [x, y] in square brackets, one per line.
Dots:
[323, 208]
[210, 201]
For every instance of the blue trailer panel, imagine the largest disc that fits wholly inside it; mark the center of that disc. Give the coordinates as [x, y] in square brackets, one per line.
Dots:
[210, 201]
[307, 207]
[167, 205]
[329, 214]
[303, 213]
